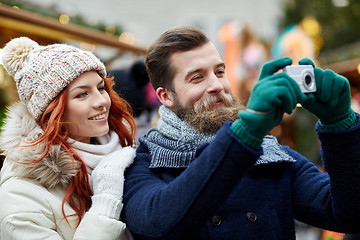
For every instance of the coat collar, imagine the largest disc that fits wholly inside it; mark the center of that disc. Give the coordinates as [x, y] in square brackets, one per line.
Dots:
[20, 128]
[273, 152]
[179, 153]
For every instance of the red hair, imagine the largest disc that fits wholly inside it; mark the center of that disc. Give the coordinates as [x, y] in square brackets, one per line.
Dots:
[78, 193]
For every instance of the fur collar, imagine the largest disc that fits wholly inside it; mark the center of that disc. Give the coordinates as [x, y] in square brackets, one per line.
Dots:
[20, 128]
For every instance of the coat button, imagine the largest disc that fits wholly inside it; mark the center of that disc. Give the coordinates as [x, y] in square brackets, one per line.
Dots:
[251, 217]
[216, 221]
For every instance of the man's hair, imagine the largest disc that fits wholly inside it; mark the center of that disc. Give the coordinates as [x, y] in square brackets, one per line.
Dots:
[161, 71]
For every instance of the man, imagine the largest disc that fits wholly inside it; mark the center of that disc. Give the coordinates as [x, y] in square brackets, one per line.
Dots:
[199, 176]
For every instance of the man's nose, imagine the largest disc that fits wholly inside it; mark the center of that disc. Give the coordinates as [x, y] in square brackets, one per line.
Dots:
[215, 85]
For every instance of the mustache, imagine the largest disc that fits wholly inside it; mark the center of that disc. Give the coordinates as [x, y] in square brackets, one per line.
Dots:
[207, 119]
[207, 104]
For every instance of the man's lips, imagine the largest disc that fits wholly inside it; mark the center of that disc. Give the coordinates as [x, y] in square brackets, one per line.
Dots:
[218, 104]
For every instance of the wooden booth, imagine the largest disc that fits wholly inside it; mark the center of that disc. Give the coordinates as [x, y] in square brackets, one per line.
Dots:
[15, 22]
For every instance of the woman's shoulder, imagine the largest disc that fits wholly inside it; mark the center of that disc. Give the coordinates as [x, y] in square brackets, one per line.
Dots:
[25, 196]
[23, 190]
[26, 204]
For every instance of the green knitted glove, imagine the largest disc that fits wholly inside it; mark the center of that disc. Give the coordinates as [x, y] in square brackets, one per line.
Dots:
[272, 96]
[331, 102]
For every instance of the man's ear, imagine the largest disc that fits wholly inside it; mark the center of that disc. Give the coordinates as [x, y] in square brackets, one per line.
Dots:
[165, 97]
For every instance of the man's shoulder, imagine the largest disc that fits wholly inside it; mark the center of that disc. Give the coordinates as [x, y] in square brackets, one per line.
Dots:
[143, 145]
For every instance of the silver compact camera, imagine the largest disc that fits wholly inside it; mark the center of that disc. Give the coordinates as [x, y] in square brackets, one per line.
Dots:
[303, 75]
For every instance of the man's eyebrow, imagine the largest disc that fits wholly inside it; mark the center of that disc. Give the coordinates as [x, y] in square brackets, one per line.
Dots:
[221, 64]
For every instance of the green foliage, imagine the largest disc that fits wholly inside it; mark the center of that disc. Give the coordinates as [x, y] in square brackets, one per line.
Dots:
[2, 116]
[340, 25]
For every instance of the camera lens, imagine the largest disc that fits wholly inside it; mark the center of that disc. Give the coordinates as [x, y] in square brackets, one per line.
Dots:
[308, 79]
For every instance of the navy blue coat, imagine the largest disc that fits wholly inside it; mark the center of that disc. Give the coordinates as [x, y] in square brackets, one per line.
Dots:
[223, 195]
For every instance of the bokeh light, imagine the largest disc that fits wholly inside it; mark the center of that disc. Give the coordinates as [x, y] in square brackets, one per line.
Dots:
[127, 37]
[311, 26]
[64, 19]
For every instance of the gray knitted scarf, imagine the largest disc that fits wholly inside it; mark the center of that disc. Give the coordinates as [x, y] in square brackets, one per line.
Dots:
[173, 143]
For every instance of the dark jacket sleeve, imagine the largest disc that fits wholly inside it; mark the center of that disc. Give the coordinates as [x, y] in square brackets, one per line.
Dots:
[157, 208]
[331, 203]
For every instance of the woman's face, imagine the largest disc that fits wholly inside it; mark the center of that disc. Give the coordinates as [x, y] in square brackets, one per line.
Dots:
[87, 107]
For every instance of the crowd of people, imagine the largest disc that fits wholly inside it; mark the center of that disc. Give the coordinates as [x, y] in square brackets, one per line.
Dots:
[76, 168]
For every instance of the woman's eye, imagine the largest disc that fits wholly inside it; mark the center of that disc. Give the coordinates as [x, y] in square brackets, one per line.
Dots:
[81, 95]
[102, 89]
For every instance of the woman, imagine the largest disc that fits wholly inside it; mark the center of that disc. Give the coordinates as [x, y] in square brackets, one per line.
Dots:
[67, 144]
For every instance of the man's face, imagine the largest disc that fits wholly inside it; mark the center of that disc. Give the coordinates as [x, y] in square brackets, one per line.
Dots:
[200, 73]
[202, 93]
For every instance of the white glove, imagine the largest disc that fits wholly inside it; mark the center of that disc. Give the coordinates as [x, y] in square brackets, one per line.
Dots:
[108, 182]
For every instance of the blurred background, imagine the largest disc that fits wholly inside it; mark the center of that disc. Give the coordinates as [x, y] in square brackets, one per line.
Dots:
[246, 33]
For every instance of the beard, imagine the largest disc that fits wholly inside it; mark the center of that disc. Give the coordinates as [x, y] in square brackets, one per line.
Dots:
[206, 118]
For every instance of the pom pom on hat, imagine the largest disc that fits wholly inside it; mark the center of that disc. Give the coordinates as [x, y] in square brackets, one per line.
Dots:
[42, 72]
[16, 52]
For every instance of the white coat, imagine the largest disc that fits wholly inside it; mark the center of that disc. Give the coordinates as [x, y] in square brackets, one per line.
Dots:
[31, 195]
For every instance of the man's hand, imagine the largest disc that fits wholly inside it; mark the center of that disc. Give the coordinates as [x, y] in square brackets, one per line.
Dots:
[272, 96]
[331, 102]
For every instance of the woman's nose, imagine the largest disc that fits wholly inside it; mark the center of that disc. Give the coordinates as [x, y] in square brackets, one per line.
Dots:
[101, 100]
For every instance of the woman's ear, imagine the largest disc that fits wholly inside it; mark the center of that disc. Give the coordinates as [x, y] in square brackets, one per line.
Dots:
[165, 97]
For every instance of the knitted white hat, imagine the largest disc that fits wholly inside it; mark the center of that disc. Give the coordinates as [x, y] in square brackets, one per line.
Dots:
[42, 72]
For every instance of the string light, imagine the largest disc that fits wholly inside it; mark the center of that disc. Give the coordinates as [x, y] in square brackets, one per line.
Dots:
[87, 47]
[311, 26]
[127, 37]
[340, 3]
[111, 30]
[64, 19]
